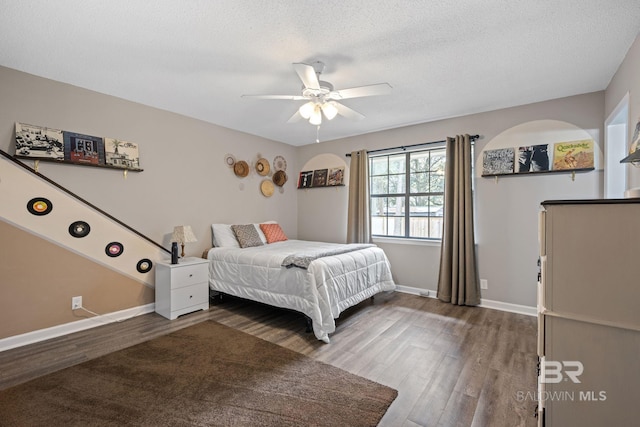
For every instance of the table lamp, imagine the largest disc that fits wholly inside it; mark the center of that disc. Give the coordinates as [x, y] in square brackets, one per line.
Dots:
[183, 234]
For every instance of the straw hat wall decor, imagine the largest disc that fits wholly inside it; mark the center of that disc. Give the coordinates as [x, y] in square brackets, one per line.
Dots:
[241, 169]
[280, 178]
[262, 167]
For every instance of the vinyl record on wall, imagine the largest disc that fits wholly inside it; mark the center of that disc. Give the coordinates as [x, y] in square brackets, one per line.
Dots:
[114, 249]
[144, 265]
[39, 206]
[79, 229]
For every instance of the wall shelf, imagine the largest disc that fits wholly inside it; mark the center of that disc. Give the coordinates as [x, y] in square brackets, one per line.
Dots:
[571, 171]
[66, 162]
[321, 186]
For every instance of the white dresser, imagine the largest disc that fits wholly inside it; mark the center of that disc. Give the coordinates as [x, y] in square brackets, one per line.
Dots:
[182, 288]
[589, 313]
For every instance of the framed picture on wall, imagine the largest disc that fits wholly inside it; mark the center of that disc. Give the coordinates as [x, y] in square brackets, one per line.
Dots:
[573, 155]
[320, 178]
[533, 158]
[498, 162]
[39, 142]
[79, 148]
[306, 179]
[336, 176]
[121, 154]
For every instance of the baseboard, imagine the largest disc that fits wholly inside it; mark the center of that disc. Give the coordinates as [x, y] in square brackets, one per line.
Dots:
[69, 328]
[507, 306]
[496, 305]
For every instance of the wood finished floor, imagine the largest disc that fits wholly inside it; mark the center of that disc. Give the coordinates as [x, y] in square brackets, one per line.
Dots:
[452, 366]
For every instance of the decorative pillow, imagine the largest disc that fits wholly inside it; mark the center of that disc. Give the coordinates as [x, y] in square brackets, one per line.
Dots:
[260, 233]
[273, 233]
[223, 236]
[247, 235]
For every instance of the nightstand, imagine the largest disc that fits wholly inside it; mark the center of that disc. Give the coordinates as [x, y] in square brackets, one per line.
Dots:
[182, 288]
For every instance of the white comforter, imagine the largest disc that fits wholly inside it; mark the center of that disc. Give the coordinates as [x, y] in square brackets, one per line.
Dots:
[330, 284]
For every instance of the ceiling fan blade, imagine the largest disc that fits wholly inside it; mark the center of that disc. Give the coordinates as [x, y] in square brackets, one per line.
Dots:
[295, 118]
[360, 91]
[347, 112]
[307, 74]
[289, 97]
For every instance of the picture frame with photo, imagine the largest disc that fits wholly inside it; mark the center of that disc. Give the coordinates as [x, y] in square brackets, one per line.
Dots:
[533, 158]
[320, 177]
[500, 161]
[81, 148]
[306, 179]
[37, 142]
[335, 176]
[55, 145]
[572, 155]
[121, 154]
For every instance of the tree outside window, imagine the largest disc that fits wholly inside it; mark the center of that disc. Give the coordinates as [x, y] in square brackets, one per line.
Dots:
[407, 194]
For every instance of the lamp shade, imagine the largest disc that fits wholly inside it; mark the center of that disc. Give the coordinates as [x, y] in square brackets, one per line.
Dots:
[316, 116]
[329, 109]
[183, 234]
[306, 110]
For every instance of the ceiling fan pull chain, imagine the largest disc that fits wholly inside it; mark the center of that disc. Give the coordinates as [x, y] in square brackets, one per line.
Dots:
[318, 134]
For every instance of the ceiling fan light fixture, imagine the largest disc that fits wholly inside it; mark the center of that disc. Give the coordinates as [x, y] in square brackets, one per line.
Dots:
[306, 110]
[316, 116]
[329, 109]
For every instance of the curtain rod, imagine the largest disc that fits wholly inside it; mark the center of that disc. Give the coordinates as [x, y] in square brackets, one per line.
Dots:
[404, 147]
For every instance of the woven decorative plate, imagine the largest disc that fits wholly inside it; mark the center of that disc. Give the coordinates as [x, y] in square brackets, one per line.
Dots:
[279, 163]
[229, 160]
[279, 178]
[262, 167]
[266, 187]
[241, 169]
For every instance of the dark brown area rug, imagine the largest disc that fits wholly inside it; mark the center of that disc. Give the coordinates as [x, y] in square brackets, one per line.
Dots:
[204, 375]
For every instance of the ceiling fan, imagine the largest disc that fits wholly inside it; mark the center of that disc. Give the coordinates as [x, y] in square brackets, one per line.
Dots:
[322, 98]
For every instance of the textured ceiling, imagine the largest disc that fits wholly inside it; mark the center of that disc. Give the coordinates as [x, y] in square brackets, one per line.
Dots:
[444, 58]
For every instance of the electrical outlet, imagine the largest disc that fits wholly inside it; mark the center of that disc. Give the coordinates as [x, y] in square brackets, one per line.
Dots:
[484, 284]
[424, 293]
[76, 303]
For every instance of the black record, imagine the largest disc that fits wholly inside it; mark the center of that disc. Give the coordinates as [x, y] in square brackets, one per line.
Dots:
[39, 206]
[114, 249]
[144, 265]
[79, 229]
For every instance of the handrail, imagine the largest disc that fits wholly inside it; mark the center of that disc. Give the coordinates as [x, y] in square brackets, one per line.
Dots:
[91, 205]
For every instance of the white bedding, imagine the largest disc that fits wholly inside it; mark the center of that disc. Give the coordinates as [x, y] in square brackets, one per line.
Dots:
[329, 286]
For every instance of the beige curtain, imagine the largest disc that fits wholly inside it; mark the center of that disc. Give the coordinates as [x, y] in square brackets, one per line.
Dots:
[458, 280]
[358, 219]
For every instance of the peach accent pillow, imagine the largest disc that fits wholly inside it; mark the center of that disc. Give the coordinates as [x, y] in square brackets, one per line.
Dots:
[273, 233]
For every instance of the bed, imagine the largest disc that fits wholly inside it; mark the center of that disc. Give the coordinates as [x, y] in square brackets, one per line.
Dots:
[317, 279]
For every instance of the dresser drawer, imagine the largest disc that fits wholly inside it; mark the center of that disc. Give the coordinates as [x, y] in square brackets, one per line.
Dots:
[188, 296]
[189, 275]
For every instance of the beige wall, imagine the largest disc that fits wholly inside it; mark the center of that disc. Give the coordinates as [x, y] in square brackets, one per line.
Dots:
[185, 181]
[627, 80]
[38, 278]
[506, 213]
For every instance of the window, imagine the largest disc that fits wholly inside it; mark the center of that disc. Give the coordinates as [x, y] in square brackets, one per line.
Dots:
[407, 194]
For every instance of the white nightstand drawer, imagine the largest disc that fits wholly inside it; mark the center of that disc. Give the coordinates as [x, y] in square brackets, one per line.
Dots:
[188, 296]
[188, 275]
[182, 288]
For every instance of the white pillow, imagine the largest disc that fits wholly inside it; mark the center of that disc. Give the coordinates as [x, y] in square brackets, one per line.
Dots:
[260, 233]
[223, 236]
